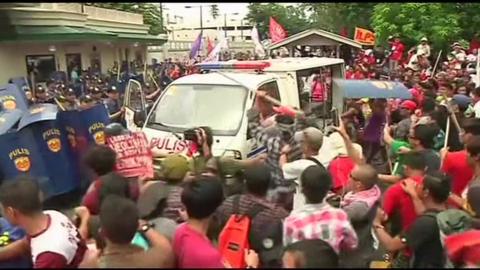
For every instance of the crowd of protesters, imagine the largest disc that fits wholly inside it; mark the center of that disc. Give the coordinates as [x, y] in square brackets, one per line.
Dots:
[315, 198]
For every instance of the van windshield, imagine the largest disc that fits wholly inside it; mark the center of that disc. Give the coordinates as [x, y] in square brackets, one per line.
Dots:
[185, 106]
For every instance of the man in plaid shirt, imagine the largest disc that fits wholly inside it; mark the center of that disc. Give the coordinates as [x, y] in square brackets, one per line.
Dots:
[317, 219]
[274, 138]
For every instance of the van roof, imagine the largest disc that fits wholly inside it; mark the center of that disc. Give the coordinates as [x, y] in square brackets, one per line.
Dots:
[276, 65]
[300, 63]
[251, 80]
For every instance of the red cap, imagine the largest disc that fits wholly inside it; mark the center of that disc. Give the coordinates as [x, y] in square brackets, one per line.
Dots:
[409, 105]
[464, 247]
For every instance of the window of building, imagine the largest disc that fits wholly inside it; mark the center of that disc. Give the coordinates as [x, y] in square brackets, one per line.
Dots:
[42, 66]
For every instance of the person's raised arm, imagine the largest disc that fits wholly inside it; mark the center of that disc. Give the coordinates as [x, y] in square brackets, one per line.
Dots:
[387, 138]
[409, 187]
[351, 151]
[387, 178]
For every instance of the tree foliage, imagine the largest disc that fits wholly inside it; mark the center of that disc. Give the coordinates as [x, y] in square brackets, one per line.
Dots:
[441, 23]
[437, 21]
[334, 17]
[293, 18]
[152, 14]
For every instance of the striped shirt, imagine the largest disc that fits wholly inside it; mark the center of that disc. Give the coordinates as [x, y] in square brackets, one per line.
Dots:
[274, 144]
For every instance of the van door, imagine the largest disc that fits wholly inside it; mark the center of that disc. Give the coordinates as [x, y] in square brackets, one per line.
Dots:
[134, 101]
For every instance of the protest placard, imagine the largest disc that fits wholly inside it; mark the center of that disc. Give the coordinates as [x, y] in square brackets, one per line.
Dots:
[134, 157]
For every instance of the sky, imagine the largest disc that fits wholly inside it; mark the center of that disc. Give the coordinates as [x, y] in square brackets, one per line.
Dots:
[194, 13]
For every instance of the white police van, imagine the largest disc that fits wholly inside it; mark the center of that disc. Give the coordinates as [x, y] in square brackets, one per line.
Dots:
[220, 99]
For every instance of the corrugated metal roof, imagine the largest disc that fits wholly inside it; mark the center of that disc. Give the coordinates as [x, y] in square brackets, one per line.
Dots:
[318, 32]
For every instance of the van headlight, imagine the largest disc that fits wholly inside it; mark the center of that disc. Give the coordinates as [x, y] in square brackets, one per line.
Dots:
[235, 154]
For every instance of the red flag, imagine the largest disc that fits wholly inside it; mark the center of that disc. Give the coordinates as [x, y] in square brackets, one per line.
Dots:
[210, 45]
[277, 32]
[344, 32]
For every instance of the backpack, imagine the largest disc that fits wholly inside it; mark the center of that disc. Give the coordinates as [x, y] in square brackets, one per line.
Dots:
[451, 221]
[237, 236]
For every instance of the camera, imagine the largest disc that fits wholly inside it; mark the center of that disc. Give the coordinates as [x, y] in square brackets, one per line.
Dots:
[191, 135]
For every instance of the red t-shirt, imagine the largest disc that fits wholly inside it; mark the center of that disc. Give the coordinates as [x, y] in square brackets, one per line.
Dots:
[91, 200]
[396, 199]
[456, 165]
[397, 54]
[358, 75]
[194, 250]
[349, 75]
[340, 169]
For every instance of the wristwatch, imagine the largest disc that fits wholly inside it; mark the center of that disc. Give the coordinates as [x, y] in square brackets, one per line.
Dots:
[145, 227]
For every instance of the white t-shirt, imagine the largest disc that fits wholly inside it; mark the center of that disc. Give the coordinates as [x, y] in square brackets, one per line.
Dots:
[292, 171]
[460, 56]
[61, 237]
[476, 109]
[424, 49]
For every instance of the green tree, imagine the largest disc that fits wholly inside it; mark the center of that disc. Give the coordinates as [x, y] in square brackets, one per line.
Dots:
[293, 18]
[439, 22]
[334, 17]
[152, 14]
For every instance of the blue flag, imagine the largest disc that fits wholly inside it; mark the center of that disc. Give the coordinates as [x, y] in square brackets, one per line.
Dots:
[196, 46]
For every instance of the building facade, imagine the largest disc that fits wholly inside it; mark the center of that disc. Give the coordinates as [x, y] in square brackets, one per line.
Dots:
[48, 37]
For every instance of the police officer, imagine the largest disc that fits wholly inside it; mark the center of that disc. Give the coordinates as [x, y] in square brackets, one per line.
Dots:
[71, 102]
[113, 105]
[97, 95]
[87, 102]
[41, 96]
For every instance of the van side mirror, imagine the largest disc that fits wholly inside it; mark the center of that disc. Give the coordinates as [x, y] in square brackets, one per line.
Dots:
[139, 118]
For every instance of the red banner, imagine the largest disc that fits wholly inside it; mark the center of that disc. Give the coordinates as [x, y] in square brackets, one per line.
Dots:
[364, 36]
[134, 157]
[277, 32]
[210, 45]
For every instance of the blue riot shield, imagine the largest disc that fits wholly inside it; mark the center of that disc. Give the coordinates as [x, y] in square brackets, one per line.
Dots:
[22, 84]
[53, 146]
[95, 120]
[9, 119]
[19, 156]
[11, 97]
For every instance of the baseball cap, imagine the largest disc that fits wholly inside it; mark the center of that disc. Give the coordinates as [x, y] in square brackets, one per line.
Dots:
[464, 247]
[310, 135]
[409, 105]
[424, 39]
[174, 167]
[462, 101]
